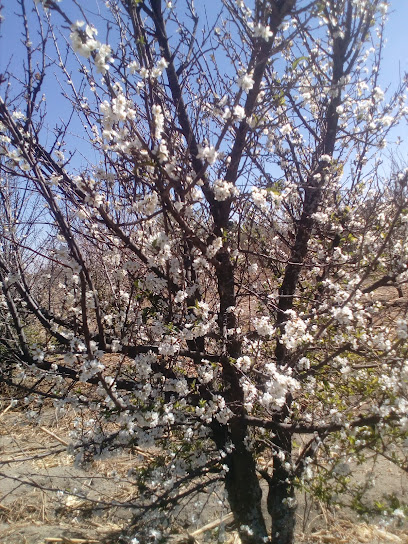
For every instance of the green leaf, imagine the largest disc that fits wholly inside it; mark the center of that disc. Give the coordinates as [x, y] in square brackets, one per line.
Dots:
[296, 62]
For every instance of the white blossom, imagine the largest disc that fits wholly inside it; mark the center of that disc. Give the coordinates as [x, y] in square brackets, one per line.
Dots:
[244, 363]
[245, 82]
[214, 247]
[259, 197]
[239, 113]
[207, 153]
[263, 326]
[263, 32]
[343, 315]
[224, 190]
[378, 94]
[286, 129]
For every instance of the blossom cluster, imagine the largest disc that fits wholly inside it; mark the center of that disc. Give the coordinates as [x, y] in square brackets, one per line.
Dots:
[85, 44]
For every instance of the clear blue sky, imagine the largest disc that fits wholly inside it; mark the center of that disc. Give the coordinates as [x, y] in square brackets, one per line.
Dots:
[395, 60]
[395, 53]
[395, 56]
[396, 50]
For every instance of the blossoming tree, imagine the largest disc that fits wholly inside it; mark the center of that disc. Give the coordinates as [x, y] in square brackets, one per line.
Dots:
[198, 238]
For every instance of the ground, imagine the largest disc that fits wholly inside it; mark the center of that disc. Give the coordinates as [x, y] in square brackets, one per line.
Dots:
[34, 464]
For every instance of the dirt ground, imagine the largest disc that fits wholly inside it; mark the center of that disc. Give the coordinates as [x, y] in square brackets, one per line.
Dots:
[45, 498]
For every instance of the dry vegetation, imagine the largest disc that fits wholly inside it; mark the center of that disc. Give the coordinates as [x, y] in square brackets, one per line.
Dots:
[95, 504]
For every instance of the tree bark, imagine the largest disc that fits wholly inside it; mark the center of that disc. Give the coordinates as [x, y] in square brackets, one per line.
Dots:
[242, 484]
[280, 501]
[241, 480]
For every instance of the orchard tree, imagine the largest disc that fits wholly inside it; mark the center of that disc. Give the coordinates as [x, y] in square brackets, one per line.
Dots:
[196, 222]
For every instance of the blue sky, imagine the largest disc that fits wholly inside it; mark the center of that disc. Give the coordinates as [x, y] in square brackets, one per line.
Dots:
[395, 60]
[395, 54]
[396, 50]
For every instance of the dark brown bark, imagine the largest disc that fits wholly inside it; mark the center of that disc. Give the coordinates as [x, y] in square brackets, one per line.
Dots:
[281, 492]
[241, 482]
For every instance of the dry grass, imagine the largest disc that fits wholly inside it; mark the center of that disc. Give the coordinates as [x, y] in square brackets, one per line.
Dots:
[347, 532]
[34, 461]
[34, 464]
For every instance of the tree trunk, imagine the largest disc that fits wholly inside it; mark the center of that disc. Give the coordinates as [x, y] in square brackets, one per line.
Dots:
[280, 501]
[241, 481]
[242, 484]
